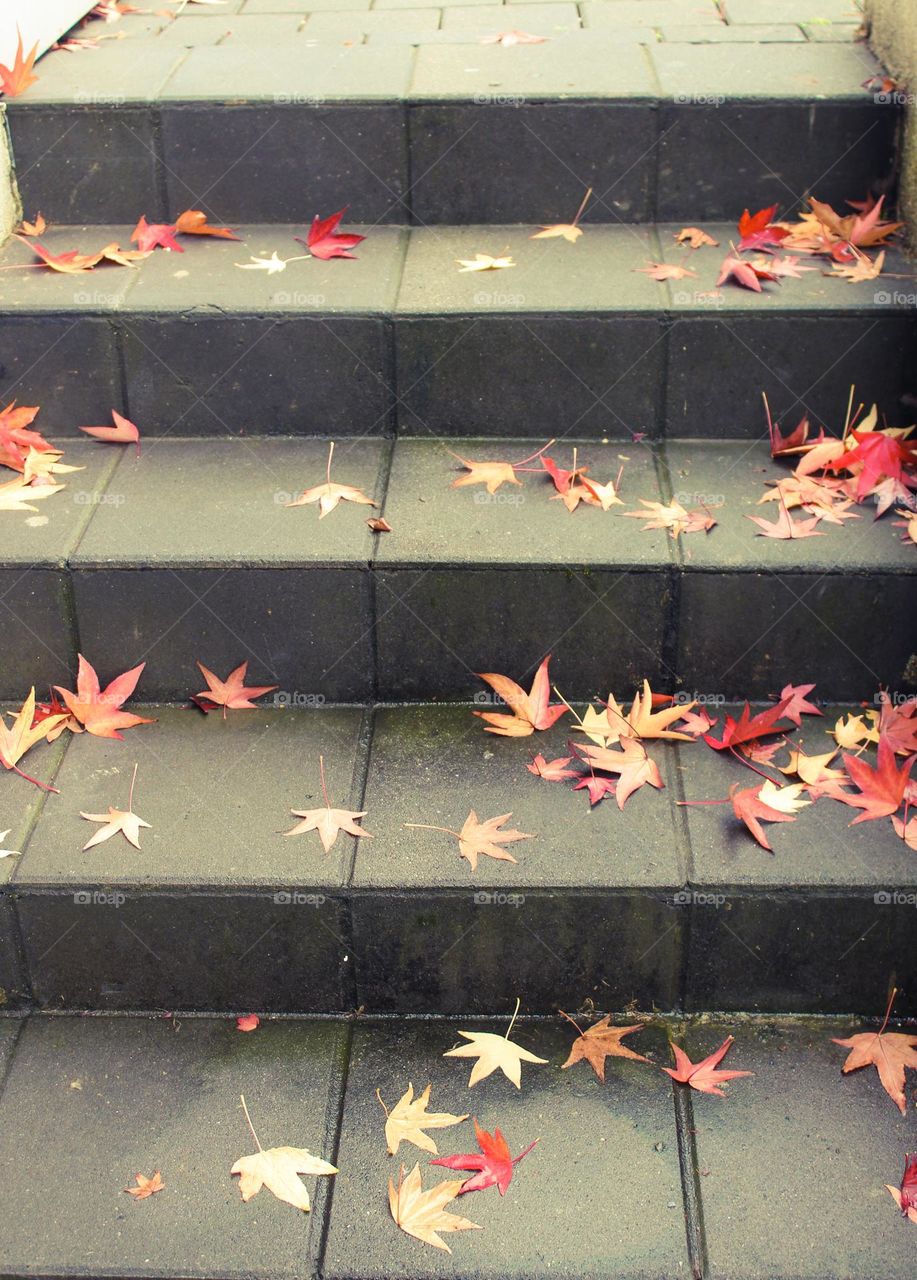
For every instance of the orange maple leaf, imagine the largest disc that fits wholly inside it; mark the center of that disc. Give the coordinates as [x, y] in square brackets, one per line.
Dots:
[16, 79]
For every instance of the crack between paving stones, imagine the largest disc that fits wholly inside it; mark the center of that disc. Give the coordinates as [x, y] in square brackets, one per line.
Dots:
[359, 782]
[334, 1122]
[690, 1181]
[7, 1065]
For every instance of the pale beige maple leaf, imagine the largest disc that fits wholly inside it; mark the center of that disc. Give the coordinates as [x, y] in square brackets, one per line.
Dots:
[865, 268]
[906, 832]
[569, 231]
[16, 495]
[694, 237]
[146, 1187]
[328, 495]
[271, 265]
[8, 853]
[666, 271]
[484, 262]
[594, 724]
[493, 1053]
[480, 839]
[40, 464]
[327, 820]
[278, 1169]
[409, 1117]
[812, 770]
[852, 731]
[422, 1213]
[19, 737]
[789, 799]
[123, 820]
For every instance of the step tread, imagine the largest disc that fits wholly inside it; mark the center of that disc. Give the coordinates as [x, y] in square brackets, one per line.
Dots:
[138, 1094]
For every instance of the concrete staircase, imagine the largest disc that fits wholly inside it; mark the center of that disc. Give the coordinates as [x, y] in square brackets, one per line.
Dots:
[263, 113]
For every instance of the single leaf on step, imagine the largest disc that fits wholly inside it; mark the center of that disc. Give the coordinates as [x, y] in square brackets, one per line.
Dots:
[905, 1196]
[666, 271]
[16, 79]
[152, 235]
[325, 241]
[493, 1053]
[146, 1187]
[97, 711]
[232, 693]
[278, 1169]
[599, 1042]
[480, 839]
[491, 474]
[71, 262]
[328, 821]
[530, 711]
[694, 237]
[422, 1214]
[514, 36]
[570, 231]
[123, 432]
[36, 228]
[890, 1052]
[271, 265]
[248, 1022]
[409, 1117]
[493, 1166]
[328, 495]
[704, 1076]
[881, 790]
[123, 820]
[193, 222]
[484, 262]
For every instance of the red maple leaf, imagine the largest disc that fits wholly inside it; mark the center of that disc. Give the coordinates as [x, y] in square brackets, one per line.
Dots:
[16, 439]
[561, 477]
[757, 232]
[898, 723]
[530, 710]
[797, 706]
[881, 789]
[98, 711]
[880, 455]
[231, 692]
[752, 810]
[703, 1076]
[324, 241]
[149, 235]
[597, 787]
[906, 1195]
[494, 1165]
[743, 272]
[748, 727]
[248, 1022]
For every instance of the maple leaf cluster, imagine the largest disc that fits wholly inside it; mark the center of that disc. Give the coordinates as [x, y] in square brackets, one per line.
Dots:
[865, 464]
[572, 486]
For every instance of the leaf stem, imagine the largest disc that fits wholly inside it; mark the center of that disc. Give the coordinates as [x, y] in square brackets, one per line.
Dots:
[250, 1125]
[579, 212]
[321, 769]
[328, 467]
[513, 1018]
[382, 1104]
[130, 798]
[425, 826]
[570, 1020]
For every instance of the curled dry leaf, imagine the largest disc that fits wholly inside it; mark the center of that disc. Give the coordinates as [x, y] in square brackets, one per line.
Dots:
[248, 1022]
[905, 1196]
[695, 237]
[599, 1042]
[123, 432]
[36, 228]
[379, 525]
[328, 495]
[422, 1214]
[409, 1117]
[193, 222]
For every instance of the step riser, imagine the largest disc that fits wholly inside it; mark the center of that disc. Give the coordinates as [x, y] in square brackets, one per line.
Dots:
[315, 628]
[121, 949]
[447, 163]
[462, 376]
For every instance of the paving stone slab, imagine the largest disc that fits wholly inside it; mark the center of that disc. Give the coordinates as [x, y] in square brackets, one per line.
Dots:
[798, 1110]
[292, 594]
[192, 30]
[794, 11]
[713, 33]
[45, 358]
[604, 16]
[794, 112]
[795, 606]
[9, 1031]
[521, 524]
[845, 32]
[793, 929]
[36, 604]
[567, 322]
[537, 19]
[88, 1102]
[432, 936]
[603, 1154]
[293, 72]
[305, 7]
[351, 23]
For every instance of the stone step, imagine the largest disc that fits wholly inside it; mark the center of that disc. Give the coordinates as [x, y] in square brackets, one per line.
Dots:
[573, 340]
[87, 1102]
[658, 905]
[190, 551]
[245, 115]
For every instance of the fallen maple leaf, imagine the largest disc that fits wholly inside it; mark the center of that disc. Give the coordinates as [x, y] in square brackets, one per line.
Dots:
[758, 230]
[551, 770]
[643, 722]
[422, 1213]
[905, 1196]
[907, 831]
[36, 228]
[494, 1164]
[16, 79]
[328, 821]
[493, 1052]
[632, 763]
[881, 789]
[230, 693]
[484, 262]
[271, 265]
[97, 711]
[881, 454]
[570, 231]
[248, 1022]
[123, 432]
[785, 527]
[479, 839]
[599, 1042]
[666, 271]
[8, 853]
[491, 474]
[694, 237]
[22, 735]
[16, 495]
[703, 1076]
[278, 1169]
[379, 525]
[122, 257]
[748, 727]
[123, 820]
[597, 787]
[672, 516]
[796, 705]
[152, 235]
[752, 808]
[325, 241]
[530, 711]
[193, 222]
[514, 36]
[146, 1186]
[409, 1117]
[328, 495]
[70, 262]
[743, 272]
[812, 770]
[853, 731]
[889, 1052]
[863, 268]
[605, 495]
